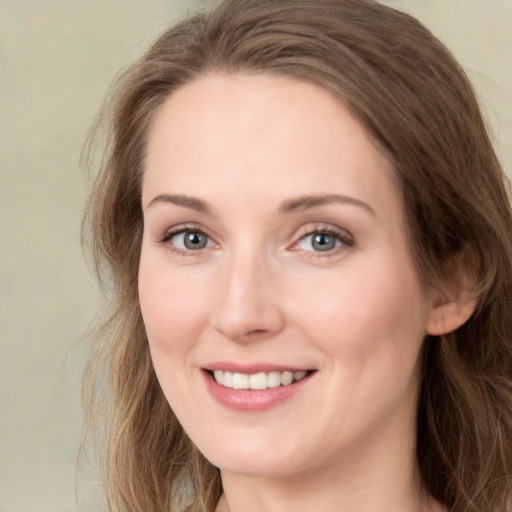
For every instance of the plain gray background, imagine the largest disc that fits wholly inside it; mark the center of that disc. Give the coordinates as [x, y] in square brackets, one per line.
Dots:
[57, 58]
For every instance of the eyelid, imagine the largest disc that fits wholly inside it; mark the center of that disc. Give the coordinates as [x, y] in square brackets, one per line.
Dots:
[341, 234]
[170, 233]
[180, 228]
[345, 237]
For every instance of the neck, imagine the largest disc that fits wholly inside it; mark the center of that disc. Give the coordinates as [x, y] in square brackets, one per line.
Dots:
[371, 476]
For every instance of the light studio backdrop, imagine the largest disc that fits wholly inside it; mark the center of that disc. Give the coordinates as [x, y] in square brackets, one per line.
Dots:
[57, 58]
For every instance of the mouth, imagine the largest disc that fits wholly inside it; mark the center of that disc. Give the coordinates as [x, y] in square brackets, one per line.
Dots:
[257, 386]
[258, 381]
[253, 388]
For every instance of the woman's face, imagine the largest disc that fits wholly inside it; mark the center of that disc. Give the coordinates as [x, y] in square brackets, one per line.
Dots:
[274, 257]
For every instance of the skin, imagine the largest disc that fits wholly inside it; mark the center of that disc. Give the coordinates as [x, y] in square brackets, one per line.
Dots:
[259, 291]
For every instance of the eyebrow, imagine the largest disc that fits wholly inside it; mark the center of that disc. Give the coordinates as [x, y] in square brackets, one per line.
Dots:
[180, 200]
[292, 205]
[305, 202]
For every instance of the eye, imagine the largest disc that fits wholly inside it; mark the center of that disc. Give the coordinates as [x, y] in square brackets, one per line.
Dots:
[325, 240]
[188, 240]
[320, 242]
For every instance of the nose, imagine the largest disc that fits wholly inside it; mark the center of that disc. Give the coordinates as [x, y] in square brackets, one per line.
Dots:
[248, 307]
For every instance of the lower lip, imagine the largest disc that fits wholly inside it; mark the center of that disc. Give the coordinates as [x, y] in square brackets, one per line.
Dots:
[249, 399]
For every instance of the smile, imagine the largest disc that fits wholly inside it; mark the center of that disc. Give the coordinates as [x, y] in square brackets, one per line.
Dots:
[257, 381]
[251, 389]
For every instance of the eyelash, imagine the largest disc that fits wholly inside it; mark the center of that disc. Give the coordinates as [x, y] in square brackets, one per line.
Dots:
[169, 235]
[342, 236]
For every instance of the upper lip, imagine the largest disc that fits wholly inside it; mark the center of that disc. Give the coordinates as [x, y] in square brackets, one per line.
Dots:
[252, 368]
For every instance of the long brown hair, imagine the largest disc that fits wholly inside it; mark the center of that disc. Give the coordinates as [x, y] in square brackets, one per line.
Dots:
[417, 104]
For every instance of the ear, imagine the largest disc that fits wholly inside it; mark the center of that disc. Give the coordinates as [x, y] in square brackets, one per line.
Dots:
[456, 300]
[449, 314]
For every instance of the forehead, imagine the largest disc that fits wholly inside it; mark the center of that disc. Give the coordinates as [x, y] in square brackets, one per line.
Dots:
[261, 134]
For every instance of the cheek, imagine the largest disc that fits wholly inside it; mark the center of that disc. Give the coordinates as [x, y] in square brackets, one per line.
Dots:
[171, 306]
[369, 315]
[371, 327]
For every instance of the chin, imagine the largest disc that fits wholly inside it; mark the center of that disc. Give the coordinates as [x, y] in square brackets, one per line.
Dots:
[253, 460]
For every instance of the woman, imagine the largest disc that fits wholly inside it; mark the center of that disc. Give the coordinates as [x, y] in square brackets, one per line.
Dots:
[308, 241]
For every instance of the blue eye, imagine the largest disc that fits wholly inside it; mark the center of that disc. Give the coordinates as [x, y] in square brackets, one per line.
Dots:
[190, 240]
[319, 242]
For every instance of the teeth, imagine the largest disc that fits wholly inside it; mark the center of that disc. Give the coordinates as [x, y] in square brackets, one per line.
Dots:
[286, 378]
[299, 375]
[273, 379]
[228, 379]
[257, 381]
[240, 381]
